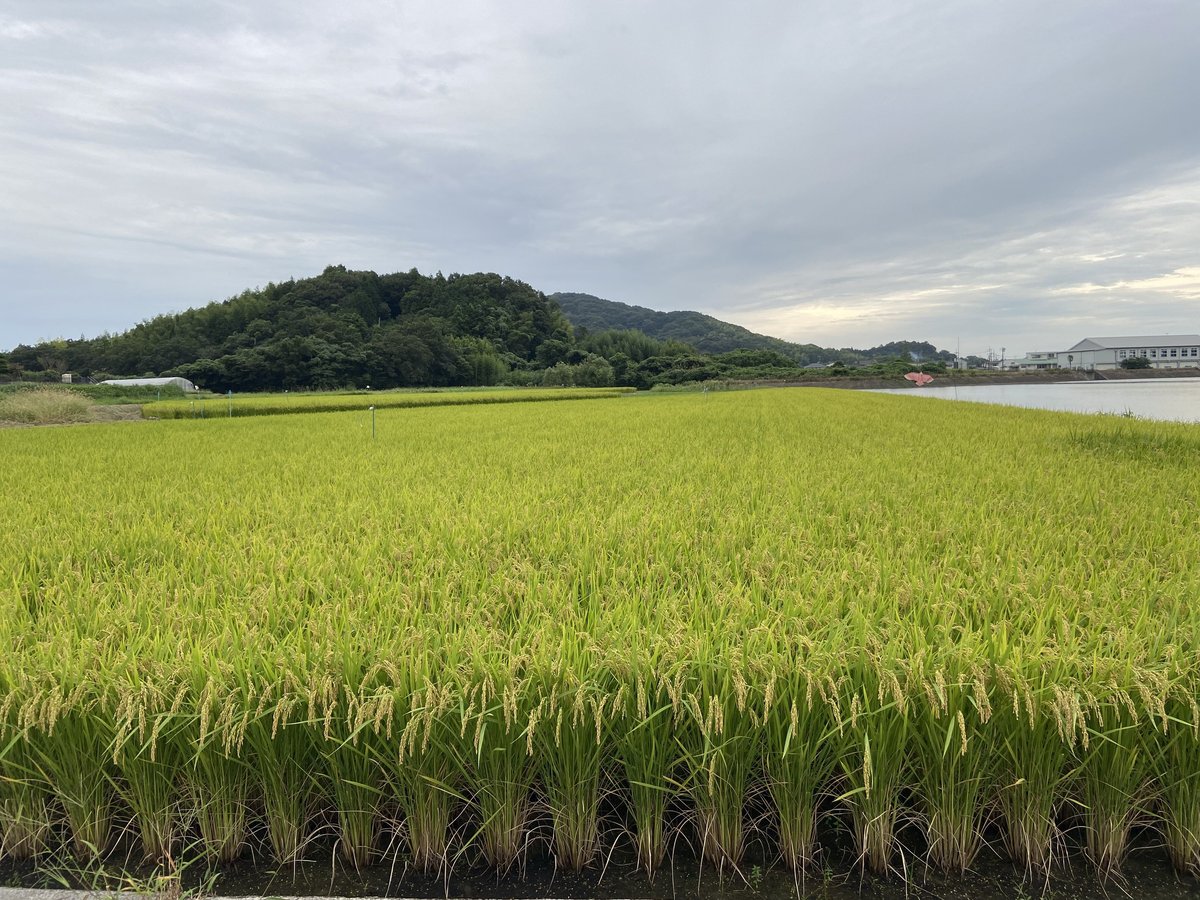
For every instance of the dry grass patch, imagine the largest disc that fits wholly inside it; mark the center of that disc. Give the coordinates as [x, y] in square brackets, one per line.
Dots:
[44, 406]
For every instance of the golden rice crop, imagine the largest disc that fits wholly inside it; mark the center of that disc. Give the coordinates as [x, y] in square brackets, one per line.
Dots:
[304, 402]
[497, 625]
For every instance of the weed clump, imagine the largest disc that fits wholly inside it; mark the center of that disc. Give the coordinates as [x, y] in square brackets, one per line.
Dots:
[43, 406]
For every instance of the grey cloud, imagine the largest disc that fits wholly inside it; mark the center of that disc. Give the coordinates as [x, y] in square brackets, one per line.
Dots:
[834, 171]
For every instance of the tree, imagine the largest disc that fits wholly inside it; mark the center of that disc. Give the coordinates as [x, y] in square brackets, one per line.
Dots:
[482, 365]
[559, 375]
[396, 358]
[594, 371]
[1135, 362]
[552, 352]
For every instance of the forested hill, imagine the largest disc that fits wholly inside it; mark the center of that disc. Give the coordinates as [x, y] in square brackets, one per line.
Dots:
[703, 332]
[710, 335]
[340, 328]
[346, 328]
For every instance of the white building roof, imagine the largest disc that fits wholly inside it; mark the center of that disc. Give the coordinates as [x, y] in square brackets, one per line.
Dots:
[1137, 342]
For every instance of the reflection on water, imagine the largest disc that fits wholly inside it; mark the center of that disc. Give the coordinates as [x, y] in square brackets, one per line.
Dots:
[1175, 399]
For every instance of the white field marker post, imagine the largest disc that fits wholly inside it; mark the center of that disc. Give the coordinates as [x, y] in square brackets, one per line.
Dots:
[372, 423]
[230, 396]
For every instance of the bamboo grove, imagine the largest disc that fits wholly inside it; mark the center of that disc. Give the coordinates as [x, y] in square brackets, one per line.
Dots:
[733, 619]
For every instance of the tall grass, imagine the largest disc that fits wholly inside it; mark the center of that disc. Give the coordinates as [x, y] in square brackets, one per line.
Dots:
[43, 406]
[683, 622]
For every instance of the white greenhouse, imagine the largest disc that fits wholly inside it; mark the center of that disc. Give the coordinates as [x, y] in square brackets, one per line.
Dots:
[182, 383]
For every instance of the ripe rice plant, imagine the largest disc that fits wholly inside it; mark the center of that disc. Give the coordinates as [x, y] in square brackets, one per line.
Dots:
[149, 776]
[719, 736]
[515, 629]
[1180, 785]
[302, 402]
[570, 733]
[354, 786]
[422, 777]
[801, 754]
[649, 758]
[500, 773]
[954, 762]
[217, 789]
[75, 754]
[876, 773]
[286, 764]
[24, 810]
[1115, 773]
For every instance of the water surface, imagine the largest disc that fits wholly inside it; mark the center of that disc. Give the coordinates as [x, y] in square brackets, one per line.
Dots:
[1171, 399]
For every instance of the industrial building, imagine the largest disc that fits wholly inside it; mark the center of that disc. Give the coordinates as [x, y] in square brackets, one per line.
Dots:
[1162, 351]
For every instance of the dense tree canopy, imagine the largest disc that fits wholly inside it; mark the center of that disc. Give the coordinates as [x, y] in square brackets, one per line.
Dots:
[353, 329]
[341, 328]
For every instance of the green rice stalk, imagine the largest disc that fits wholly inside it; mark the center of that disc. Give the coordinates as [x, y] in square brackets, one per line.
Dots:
[500, 772]
[571, 746]
[801, 752]
[353, 773]
[1114, 778]
[954, 763]
[1035, 752]
[720, 740]
[284, 766]
[1181, 786]
[149, 785]
[422, 783]
[24, 799]
[649, 756]
[217, 785]
[875, 773]
[75, 757]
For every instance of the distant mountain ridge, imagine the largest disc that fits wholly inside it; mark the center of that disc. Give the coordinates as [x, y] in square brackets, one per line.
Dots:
[705, 333]
[709, 335]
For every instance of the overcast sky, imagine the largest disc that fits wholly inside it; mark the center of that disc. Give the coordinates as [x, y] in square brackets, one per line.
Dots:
[1016, 174]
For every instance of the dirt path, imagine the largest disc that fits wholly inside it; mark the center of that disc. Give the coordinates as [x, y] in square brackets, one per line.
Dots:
[123, 412]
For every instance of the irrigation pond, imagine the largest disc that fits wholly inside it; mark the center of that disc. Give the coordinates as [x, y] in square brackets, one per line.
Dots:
[1166, 399]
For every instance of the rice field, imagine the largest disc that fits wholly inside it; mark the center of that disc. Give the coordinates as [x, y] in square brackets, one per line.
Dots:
[309, 402]
[681, 623]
